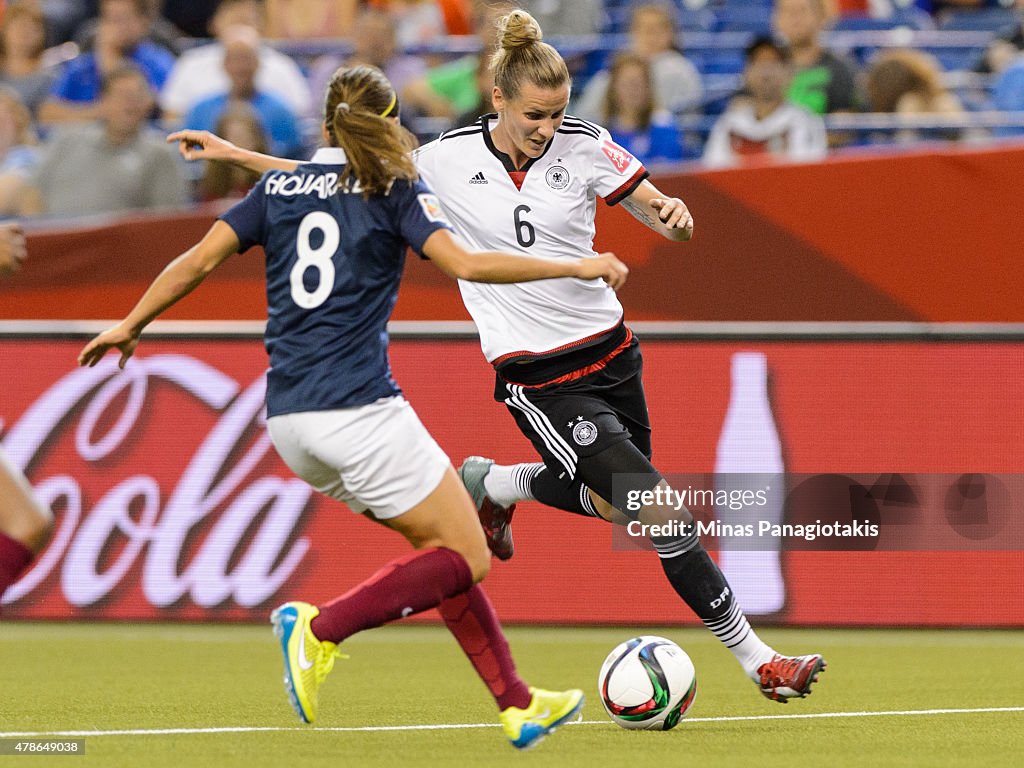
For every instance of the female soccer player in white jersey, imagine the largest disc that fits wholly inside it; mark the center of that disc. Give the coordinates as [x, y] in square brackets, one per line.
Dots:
[335, 233]
[568, 368]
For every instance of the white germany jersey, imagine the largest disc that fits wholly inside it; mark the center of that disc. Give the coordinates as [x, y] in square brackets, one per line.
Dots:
[545, 209]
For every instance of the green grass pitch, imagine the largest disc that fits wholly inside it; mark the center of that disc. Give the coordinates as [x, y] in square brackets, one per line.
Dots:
[165, 689]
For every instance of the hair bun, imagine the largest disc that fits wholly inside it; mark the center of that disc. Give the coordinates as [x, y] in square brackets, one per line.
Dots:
[518, 29]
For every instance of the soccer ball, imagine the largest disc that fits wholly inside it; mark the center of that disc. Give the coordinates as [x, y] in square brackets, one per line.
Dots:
[647, 683]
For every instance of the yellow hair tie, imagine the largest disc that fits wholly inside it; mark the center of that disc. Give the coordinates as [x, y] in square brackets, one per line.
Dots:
[394, 100]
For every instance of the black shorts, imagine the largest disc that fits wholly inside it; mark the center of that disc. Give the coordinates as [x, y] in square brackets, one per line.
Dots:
[570, 421]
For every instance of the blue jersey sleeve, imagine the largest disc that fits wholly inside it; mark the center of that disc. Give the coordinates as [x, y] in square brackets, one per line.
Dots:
[418, 213]
[248, 217]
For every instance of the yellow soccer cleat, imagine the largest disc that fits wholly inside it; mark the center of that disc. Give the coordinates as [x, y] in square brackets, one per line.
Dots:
[307, 660]
[526, 728]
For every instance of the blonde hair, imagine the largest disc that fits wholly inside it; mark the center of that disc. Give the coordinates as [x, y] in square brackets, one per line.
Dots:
[521, 56]
[220, 178]
[900, 71]
[23, 10]
[356, 110]
[611, 96]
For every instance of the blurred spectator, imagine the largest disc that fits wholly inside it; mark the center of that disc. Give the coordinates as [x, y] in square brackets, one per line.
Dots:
[301, 19]
[458, 15]
[240, 125]
[115, 164]
[485, 88]
[18, 141]
[822, 82]
[374, 43]
[451, 89]
[632, 115]
[22, 41]
[19, 151]
[760, 122]
[1008, 93]
[417, 22]
[192, 17]
[909, 82]
[1004, 48]
[241, 63]
[63, 17]
[566, 17]
[119, 39]
[159, 30]
[199, 73]
[652, 34]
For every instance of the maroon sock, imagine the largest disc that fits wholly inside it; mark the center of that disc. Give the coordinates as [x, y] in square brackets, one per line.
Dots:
[408, 585]
[471, 618]
[14, 559]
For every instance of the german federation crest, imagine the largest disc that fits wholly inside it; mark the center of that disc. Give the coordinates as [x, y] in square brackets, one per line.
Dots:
[557, 177]
[584, 433]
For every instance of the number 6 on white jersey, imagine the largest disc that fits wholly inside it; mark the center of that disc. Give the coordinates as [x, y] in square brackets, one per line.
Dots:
[319, 258]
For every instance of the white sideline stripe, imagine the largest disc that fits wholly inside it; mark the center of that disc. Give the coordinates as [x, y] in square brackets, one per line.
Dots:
[455, 726]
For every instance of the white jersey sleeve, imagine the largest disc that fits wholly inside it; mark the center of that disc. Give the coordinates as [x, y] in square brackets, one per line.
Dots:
[545, 209]
[616, 172]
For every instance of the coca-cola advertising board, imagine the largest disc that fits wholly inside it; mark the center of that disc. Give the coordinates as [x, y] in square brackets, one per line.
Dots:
[171, 503]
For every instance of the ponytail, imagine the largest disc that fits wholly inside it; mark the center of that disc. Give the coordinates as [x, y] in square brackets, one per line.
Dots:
[359, 103]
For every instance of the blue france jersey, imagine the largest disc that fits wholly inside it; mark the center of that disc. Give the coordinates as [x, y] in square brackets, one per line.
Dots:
[334, 261]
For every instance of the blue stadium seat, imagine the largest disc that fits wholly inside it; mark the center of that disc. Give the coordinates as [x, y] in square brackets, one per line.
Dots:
[718, 91]
[744, 18]
[716, 61]
[912, 18]
[979, 20]
[953, 59]
[717, 4]
[690, 19]
[696, 20]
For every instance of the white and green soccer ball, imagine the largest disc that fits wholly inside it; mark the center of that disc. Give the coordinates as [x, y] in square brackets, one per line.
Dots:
[647, 683]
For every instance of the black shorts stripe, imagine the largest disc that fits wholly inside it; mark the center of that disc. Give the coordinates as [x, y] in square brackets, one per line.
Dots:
[570, 422]
[542, 426]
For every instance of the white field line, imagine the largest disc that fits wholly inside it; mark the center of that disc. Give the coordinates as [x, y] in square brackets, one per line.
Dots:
[455, 726]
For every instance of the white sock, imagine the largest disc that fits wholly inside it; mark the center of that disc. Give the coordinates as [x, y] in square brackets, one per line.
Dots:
[735, 632]
[507, 485]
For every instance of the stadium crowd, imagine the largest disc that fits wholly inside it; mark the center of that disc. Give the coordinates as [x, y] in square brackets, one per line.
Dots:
[88, 88]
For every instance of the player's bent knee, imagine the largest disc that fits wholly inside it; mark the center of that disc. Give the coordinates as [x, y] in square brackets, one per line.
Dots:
[479, 562]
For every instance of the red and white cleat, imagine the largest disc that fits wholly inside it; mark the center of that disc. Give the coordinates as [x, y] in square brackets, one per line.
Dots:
[494, 519]
[790, 677]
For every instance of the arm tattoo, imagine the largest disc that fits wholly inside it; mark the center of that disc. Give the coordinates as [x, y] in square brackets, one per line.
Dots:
[641, 214]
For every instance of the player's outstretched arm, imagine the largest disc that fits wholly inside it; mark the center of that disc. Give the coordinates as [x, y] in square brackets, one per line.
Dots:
[668, 216]
[449, 253]
[177, 280]
[203, 145]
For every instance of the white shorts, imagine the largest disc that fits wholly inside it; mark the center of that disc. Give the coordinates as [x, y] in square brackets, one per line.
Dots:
[377, 457]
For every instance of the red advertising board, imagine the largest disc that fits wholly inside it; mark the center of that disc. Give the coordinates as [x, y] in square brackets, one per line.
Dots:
[172, 505]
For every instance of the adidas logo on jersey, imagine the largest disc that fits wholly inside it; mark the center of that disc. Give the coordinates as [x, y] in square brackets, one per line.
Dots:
[478, 179]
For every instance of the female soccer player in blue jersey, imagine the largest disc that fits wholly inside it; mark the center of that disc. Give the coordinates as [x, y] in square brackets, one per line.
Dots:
[335, 232]
[567, 367]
